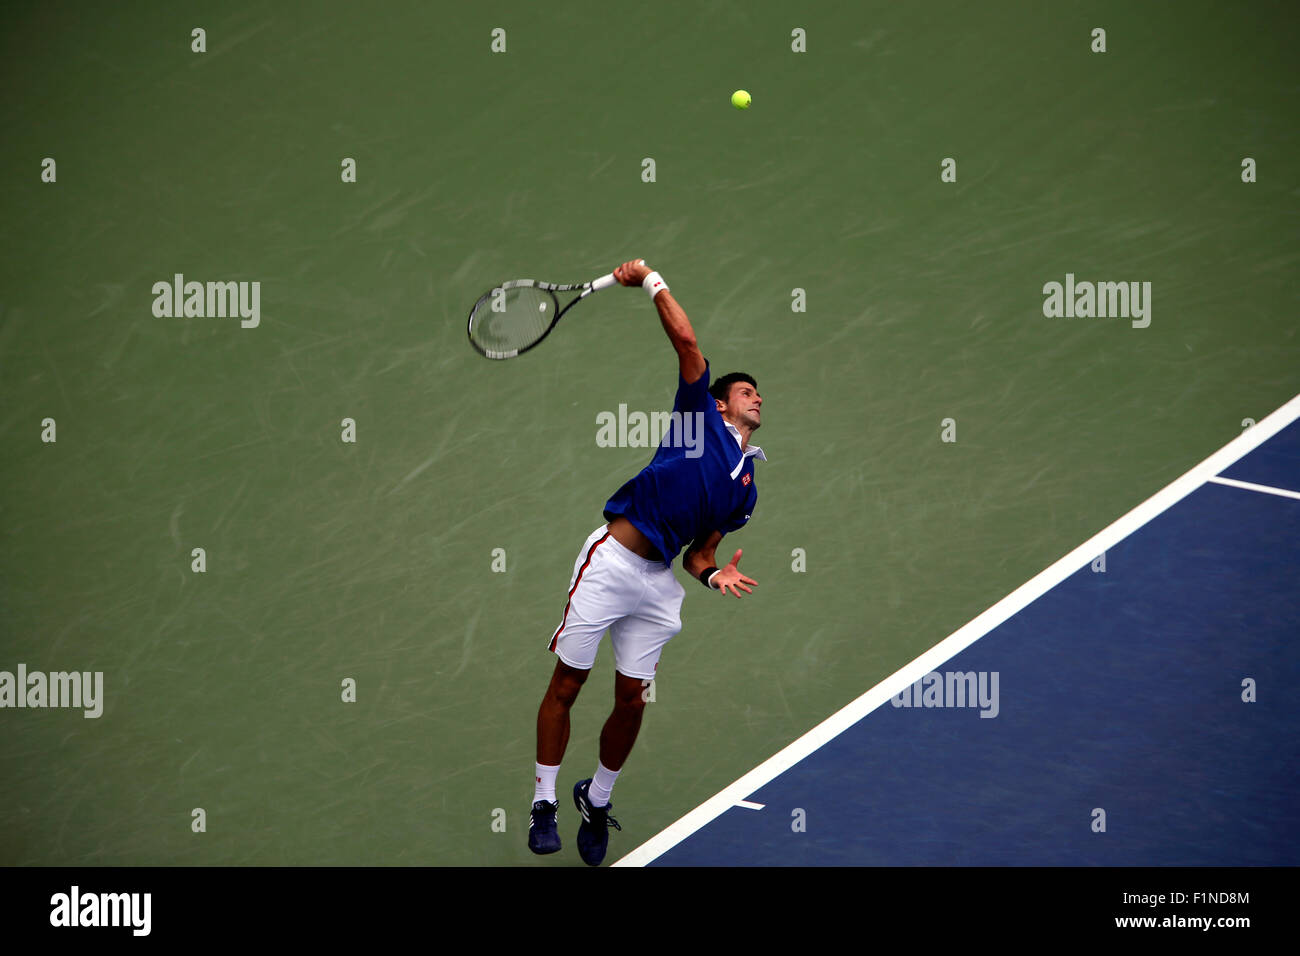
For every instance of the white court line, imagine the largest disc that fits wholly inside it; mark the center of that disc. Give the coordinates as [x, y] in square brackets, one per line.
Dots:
[1267, 489]
[750, 805]
[963, 637]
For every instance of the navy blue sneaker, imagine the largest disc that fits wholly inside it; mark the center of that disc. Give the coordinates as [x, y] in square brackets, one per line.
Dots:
[543, 834]
[593, 835]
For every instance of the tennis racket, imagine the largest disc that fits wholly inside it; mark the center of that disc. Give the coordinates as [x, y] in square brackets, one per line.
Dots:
[515, 316]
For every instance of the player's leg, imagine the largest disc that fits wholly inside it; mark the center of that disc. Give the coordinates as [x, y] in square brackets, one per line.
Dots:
[596, 599]
[588, 612]
[552, 738]
[553, 715]
[621, 728]
[638, 641]
[617, 736]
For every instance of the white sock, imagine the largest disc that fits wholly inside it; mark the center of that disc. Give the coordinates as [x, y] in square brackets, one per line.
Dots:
[602, 785]
[544, 786]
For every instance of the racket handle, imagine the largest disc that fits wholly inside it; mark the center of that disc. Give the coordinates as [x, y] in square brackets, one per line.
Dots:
[605, 281]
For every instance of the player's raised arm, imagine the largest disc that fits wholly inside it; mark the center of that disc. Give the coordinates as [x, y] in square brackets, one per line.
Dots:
[675, 322]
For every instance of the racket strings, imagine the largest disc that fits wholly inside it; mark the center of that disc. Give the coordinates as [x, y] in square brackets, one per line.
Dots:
[513, 319]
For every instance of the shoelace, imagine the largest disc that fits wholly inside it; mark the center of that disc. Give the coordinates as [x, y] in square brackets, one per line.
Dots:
[609, 821]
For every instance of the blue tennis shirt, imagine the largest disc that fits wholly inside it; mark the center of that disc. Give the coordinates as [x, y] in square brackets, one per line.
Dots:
[697, 483]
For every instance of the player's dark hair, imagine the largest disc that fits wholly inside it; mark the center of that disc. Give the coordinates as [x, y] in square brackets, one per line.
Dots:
[721, 389]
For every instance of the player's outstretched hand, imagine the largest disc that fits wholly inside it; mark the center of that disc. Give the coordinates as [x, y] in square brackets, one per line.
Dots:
[730, 577]
[632, 273]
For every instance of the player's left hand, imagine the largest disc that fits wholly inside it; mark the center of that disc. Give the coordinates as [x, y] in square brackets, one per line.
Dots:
[730, 577]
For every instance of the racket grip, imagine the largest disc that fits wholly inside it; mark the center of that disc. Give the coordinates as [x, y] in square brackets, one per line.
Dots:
[605, 281]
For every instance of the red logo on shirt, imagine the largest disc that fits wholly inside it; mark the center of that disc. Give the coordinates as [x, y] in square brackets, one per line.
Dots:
[746, 479]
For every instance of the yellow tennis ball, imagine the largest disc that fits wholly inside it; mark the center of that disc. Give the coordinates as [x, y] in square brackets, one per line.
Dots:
[740, 100]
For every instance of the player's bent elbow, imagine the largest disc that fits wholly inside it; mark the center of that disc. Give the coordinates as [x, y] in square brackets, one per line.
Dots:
[691, 362]
[696, 561]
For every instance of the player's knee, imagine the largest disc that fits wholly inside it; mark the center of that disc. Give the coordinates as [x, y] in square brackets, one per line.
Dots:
[629, 705]
[563, 696]
[629, 696]
[566, 684]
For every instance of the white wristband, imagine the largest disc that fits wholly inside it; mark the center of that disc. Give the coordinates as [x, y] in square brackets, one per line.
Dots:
[712, 576]
[654, 284]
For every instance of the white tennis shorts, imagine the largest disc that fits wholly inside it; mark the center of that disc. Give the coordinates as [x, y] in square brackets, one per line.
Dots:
[637, 600]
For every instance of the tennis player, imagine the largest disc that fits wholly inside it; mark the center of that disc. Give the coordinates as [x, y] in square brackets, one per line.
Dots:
[692, 492]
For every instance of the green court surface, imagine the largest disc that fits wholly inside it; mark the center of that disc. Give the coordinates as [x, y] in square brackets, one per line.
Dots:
[372, 560]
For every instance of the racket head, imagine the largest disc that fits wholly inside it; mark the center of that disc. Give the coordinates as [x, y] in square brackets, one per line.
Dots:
[512, 318]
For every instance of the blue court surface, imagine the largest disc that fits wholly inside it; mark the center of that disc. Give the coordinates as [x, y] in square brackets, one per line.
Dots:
[1119, 691]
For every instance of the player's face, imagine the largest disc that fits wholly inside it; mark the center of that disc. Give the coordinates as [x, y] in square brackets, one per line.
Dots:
[743, 406]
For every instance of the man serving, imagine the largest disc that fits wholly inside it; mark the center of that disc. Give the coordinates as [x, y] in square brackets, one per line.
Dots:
[623, 580]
